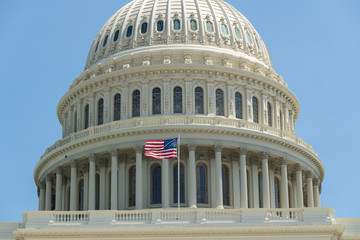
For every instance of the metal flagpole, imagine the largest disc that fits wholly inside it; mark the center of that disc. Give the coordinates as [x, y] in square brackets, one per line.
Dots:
[178, 155]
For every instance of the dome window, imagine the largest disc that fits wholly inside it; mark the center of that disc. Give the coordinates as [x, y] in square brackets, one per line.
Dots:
[209, 26]
[105, 40]
[129, 31]
[248, 37]
[257, 43]
[237, 33]
[193, 25]
[160, 26]
[177, 24]
[97, 46]
[224, 29]
[116, 36]
[144, 27]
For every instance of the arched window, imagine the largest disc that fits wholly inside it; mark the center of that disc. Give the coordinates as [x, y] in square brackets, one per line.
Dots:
[257, 43]
[75, 121]
[248, 37]
[97, 46]
[160, 25]
[117, 107]
[182, 183]
[86, 116]
[177, 100]
[105, 40]
[177, 24]
[226, 185]
[144, 27]
[201, 184]
[281, 122]
[224, 29]
[156, 104]
[209, 26]
[277, 192]
[97, 192]
[219, 102]
[156, 184]
[237, 33]
[136, 103]
[100, 111]
[129, 31]
[81, 195]
[132, 184]
[199, 100]
[260, 178]
[269, 114]
[238, 105]
[255, 110]
[116, 35]
[193, 25]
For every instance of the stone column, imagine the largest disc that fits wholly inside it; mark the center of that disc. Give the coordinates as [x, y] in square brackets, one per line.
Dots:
[192, 176]
[122, 187]
[73, 187]
[48, 194]
[265, 179]
[243, 181]
[284, 193]
[102, 190]
[165, 203]
[316, 192]
[272, 184]
[255, 181]
[92, 182]
[86, 188]
[310, 191]
[299, 188]
[236, 180]
[138, 187]
[58, 189]
[218, 178]
[114, 179]
[212, 178]
[42, 197]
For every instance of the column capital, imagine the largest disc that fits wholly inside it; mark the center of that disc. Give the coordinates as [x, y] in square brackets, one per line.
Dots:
[48, 178]
[139, 149]
[254, 160]
[191, 147]
[58, 171]
[283, 161]
[123, 157]
[92, 157]
[102, 163]
[243, 150]
[265, 155]
[316, 182]
[218, 148]
[298, 167]
[73, 164]
[114, 153]
[235, 156]
[308, 174]
[42, 185]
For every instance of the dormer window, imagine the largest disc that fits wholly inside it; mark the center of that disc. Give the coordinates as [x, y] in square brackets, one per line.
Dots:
[193, 25]
[237, 33]
[105, 40]
[160, 25]
[144, 28]
[224, 29]
[248, 37]
[209, 26]
[129, 31]
[116, 35]
[177, 26]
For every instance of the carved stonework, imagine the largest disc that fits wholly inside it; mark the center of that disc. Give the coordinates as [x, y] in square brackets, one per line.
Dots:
[218, 148]
[243, 151]
[283, 161]
[265, 155]
[191, 147]
[123, 157]
[298, 167]
[235, 156]
[138, 149]
[254, 160]
[316, 182]
[167, 59]
[187, 59]
[114, 153]
[208, 60]
[211, 154]
[308, 174]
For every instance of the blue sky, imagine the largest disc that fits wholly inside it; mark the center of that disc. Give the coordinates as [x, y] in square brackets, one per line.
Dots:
[314, 45]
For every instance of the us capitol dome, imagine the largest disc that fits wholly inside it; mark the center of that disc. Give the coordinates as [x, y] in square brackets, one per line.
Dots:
[198, 69]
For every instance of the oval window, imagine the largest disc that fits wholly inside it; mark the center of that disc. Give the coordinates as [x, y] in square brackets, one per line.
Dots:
[176, 24]
[144, 27]
[209, 26]
[224, 29]
[193, 25]
[129, 31]
[116, 36]
[105, 40]
[160, 26]
[97, 45]
[237, 33]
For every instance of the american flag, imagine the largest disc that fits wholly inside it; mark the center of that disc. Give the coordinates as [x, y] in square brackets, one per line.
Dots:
[161, 149]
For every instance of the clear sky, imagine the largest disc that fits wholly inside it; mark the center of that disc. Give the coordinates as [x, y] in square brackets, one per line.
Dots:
[314, 45]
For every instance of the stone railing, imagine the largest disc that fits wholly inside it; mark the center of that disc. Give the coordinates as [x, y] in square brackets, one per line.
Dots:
[182, 217]
[181, 121]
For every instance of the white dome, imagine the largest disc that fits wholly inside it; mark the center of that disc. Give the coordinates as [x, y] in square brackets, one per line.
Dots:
[188, 23]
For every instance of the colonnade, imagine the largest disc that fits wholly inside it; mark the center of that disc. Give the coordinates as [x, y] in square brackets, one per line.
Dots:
[253, 183]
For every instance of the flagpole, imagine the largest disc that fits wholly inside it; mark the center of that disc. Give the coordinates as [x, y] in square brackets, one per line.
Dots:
[178, 172]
